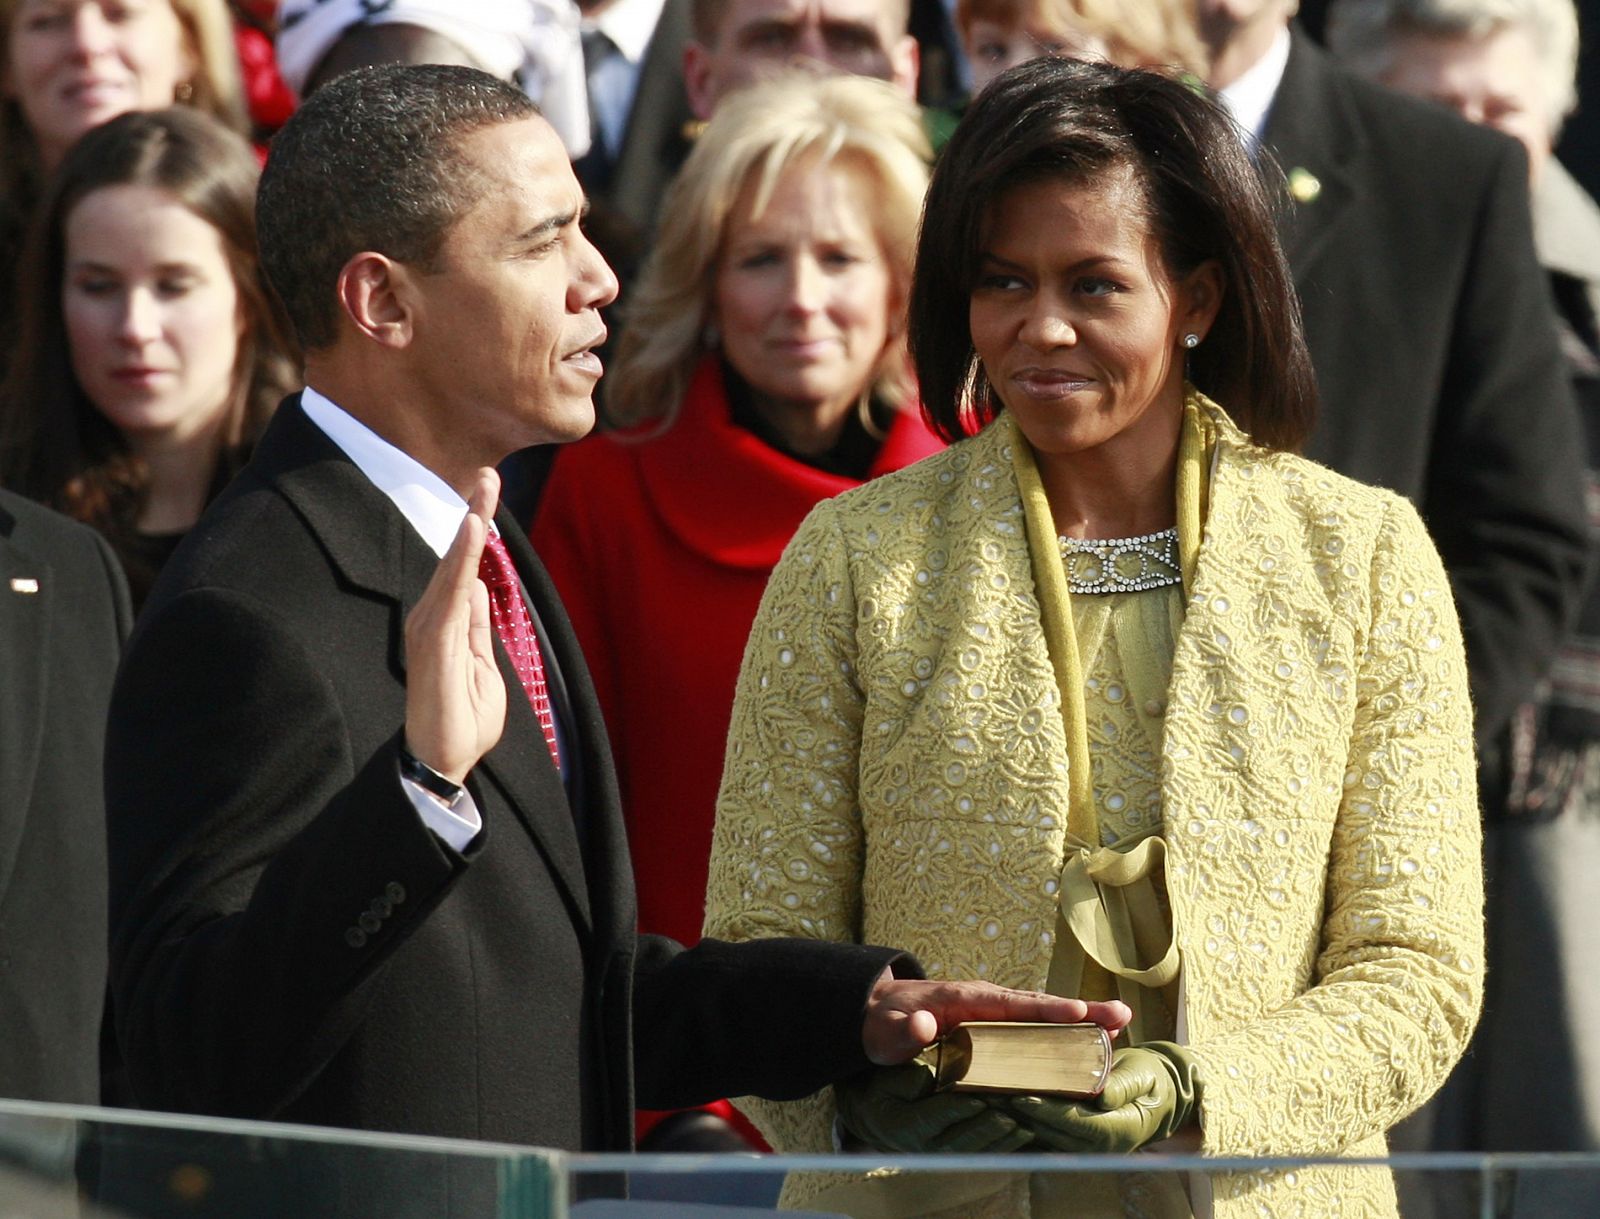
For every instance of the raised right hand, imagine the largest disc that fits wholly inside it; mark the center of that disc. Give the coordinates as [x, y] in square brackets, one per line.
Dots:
[455, 696]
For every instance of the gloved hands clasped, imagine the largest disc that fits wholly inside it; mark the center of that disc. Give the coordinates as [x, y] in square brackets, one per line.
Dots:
[1152, 1092]
[897, 1109]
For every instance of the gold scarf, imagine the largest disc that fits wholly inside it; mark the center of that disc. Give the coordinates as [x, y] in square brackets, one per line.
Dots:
[1111, 936]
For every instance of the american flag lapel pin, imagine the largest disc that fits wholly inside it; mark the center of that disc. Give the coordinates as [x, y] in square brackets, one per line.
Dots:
[24, 584]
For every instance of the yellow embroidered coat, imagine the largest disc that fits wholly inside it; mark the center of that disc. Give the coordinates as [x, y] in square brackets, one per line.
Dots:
[896, 774]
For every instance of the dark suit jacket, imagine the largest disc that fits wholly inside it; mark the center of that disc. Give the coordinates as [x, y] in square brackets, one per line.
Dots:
[627, 202]
[654, 144]
[290, 942]
[1436, 353]
[63, 616]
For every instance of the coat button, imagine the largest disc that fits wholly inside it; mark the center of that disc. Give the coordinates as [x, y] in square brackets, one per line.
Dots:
[355, 937]
[395, 892]
[370, 923]
[381, 907]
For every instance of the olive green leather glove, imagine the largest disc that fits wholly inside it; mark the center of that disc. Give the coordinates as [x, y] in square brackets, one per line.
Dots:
[897, 1109]
[1152, 1092]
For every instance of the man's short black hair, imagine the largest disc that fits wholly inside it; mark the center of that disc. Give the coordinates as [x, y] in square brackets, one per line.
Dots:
[371, 161]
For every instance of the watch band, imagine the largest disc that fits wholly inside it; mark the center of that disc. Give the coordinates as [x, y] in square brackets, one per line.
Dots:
[427, 778]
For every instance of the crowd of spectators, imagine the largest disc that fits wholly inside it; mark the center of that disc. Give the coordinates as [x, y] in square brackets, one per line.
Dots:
[755, 172]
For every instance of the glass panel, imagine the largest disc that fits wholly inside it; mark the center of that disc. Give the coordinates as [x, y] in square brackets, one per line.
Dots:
[63, 1162]
[66, 1161]
[1061, 1187]
[1520, 1186]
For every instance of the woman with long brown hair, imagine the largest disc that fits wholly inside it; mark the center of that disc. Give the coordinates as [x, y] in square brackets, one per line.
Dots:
[69, 65]
[151, 353]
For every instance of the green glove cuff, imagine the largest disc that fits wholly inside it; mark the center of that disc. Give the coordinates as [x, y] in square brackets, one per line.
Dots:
[1187, 1088]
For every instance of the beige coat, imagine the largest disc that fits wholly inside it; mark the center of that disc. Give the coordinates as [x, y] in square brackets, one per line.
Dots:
[896, 774]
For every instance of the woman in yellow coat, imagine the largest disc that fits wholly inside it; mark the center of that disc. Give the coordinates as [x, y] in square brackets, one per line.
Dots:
[1117, 696]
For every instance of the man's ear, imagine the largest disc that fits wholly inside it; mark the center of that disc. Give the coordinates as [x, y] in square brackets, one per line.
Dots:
[905, 64]
[373, 294]
[698, 79]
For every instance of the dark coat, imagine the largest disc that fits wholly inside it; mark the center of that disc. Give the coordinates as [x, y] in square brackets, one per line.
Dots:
[626, 196]
[1436, 353]
[290, 941]
[63, 616]
[654, 143]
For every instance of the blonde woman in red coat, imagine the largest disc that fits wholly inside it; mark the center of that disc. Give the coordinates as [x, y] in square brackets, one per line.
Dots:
[762, 370]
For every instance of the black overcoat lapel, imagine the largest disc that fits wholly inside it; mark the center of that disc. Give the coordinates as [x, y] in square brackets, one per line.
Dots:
[1316, 141]
[592, 779]
[378, 552]
[654, 145]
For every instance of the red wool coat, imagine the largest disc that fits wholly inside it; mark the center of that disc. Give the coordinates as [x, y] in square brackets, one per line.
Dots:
[661, 550]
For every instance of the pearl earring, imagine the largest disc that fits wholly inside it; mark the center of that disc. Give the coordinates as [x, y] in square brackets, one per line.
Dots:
[1191, 340]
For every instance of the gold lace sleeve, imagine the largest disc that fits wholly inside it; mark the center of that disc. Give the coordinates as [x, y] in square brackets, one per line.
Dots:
[1398, 978]
[790, 777]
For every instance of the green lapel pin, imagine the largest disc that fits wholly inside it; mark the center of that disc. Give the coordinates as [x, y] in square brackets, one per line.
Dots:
[1304, 185]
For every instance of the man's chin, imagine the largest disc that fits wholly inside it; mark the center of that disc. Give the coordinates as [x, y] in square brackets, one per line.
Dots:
[574, 421]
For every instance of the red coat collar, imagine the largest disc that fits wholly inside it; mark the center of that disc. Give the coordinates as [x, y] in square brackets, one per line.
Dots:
[731, 497]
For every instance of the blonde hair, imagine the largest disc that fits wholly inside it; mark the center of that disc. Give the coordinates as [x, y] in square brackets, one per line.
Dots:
[215, 89]
[1139, 33]
[757, 135]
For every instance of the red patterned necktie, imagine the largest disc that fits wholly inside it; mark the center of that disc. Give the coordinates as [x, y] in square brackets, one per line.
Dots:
[514, 625]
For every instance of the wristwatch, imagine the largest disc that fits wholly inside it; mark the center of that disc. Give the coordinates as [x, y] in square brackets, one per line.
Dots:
[428, 779]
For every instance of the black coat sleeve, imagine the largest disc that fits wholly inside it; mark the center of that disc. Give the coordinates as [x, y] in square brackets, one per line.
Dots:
[778, 1018]
[246, 846]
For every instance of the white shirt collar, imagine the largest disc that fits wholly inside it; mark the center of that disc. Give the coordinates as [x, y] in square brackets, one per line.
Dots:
[1250, 97]
[629, 24]
[431, 505]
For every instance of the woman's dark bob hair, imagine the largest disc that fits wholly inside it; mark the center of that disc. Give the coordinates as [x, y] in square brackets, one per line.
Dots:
[1064, 118]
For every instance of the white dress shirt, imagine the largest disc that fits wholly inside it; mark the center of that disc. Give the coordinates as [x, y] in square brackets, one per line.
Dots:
[629, 24]
[435, 511]
[1249, 99]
